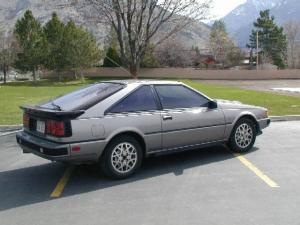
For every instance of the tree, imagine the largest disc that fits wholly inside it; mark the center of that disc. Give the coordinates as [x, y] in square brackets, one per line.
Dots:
[55, 51]
[174, 53]
[292, 31]
[80, 47]
[223, 48]
[112, 59]
[234, 55]
[137, 22]
[8, 53]
[218, 41]
[271, 39]
[30, 37]
[149, 60]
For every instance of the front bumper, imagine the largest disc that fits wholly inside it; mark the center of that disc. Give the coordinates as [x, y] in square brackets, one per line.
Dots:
[263, 123]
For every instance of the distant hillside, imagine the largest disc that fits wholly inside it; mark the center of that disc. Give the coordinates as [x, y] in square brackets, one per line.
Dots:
[10, 10]
[239, 22]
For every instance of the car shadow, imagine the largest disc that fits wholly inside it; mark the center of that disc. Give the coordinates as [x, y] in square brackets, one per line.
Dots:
[34, 184]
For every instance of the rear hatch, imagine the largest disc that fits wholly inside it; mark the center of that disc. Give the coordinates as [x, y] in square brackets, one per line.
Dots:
[54, 117]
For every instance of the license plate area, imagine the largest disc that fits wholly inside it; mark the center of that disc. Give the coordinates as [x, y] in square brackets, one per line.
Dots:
[40, 126]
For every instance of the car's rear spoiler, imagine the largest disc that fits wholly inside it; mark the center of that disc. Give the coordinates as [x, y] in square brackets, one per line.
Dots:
[51, 113]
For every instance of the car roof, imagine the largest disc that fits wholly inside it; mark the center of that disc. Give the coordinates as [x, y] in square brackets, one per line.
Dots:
[135, 81]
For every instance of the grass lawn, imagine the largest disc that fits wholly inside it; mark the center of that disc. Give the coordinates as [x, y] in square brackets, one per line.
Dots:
[276, 104]
[14, 94]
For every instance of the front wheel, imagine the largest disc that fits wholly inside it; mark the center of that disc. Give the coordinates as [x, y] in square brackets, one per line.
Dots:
[122, 157]
[243, 136]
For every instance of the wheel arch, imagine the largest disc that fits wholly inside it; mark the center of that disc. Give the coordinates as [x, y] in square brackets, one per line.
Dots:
[132, 134]
[251, 117]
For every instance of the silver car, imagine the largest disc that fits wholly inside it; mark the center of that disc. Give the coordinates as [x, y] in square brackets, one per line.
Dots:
[118, 123]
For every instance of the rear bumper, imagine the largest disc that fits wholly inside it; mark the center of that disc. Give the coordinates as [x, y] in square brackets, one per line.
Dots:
[43, 148]
[90, 151]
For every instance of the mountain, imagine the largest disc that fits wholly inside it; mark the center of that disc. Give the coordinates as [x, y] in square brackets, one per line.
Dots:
[196, 34]
[239, 22]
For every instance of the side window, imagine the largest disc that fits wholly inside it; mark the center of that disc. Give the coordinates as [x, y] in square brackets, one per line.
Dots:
[178, 96]
[140, 100]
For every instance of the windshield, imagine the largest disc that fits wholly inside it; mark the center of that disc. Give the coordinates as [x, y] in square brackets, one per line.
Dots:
[84, 98]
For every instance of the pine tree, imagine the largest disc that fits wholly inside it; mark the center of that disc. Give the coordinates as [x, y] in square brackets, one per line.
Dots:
[80, 47]
[149, 60]
[112, 59]
[54, 33]
[271, 39]
[32, 43]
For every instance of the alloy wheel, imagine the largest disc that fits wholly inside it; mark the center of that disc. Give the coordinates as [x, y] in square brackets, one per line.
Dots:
[124, 157]
[243, 135]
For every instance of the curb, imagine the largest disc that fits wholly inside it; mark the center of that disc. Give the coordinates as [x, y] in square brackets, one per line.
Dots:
[285, 118]
[8, 128]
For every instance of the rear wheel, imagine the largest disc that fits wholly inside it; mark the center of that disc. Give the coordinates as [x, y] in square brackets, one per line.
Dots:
[121, 158]
[243, 136]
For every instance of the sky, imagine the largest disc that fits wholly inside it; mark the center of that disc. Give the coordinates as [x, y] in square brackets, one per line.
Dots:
[221, 7]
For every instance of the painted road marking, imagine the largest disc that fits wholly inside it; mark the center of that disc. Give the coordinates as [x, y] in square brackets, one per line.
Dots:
[62, 182]
[257, 171]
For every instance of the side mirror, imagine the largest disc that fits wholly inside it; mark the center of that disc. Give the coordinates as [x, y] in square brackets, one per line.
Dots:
[212, 105]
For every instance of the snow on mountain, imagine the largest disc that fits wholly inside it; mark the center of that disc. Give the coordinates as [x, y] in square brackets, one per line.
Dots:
[239, 22]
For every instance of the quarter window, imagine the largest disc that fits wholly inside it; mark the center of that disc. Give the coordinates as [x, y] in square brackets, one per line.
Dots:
[179, 96]
[140, 100]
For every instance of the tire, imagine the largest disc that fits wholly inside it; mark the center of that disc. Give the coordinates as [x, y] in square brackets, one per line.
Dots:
[121, 158]
[243, 136]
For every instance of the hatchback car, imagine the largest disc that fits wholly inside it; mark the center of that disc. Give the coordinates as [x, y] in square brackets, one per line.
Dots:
[118, 123]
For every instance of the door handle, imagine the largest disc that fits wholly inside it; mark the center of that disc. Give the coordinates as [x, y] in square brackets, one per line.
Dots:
[167, 117]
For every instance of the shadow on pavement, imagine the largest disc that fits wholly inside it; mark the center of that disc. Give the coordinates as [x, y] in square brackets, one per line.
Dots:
[34, 184]
[28, 185]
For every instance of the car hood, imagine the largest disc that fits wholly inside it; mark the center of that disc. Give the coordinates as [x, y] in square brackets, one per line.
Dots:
[226, 104]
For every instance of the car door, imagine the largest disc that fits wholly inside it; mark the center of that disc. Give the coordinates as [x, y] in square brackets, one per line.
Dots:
[137, 112]
[187, 118]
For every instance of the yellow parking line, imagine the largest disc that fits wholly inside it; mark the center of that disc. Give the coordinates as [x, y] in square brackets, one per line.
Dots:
[62, 182]
[257, 171]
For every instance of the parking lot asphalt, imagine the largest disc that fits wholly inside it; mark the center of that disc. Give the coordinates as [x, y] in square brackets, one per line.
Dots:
[208, 186]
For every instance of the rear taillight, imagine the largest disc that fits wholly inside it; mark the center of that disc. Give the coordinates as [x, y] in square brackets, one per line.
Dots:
[55, 128]
[25, 120]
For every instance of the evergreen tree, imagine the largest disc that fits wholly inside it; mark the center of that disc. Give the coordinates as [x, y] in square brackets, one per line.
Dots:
[271, 39]
[54, 33]
[32, 43]
[149, 60]
[81, 48]
[112, 59]
[69, 42]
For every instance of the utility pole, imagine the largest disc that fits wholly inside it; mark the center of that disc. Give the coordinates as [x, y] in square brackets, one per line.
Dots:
[256, 50]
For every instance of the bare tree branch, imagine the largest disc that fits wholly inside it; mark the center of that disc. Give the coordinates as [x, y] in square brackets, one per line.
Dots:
[137, 22]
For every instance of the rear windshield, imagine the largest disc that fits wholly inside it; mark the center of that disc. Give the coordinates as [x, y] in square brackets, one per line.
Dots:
[84, 98]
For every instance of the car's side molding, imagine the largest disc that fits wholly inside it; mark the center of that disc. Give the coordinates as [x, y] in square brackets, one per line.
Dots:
[188, 128]
[185, 148]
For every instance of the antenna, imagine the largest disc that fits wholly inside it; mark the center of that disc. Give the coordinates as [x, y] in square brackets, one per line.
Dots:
[114, 62]
[256, 50]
